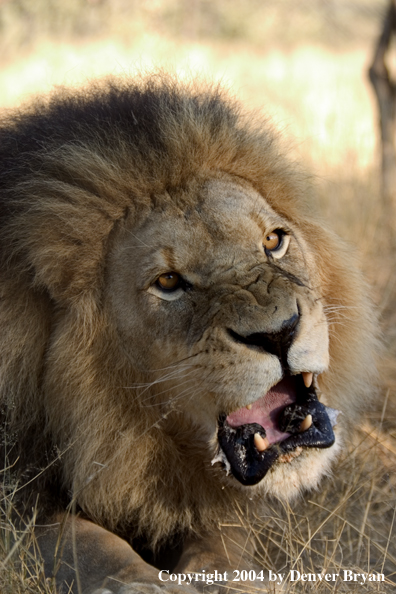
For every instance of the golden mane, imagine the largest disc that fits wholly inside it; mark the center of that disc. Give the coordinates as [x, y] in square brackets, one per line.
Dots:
[73, 167]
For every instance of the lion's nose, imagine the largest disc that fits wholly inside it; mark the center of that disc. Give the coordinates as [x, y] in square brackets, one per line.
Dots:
[276, 342]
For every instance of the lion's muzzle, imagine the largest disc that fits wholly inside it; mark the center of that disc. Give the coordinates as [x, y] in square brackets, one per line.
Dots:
[275, 343]
[275, 428]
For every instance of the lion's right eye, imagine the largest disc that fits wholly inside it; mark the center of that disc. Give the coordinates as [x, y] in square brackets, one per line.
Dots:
[169, 286]
[170, 281]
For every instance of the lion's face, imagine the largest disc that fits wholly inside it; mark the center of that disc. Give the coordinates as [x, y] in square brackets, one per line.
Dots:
[237, 338]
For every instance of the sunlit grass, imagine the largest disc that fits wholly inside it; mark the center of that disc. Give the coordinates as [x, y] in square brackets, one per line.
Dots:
[320, 98]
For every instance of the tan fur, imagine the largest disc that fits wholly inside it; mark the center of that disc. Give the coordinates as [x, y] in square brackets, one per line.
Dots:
[116, 390]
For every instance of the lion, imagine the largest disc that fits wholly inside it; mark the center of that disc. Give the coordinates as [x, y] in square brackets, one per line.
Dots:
[183, 339]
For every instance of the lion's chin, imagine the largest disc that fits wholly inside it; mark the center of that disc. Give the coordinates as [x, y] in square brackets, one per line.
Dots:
[274, 430]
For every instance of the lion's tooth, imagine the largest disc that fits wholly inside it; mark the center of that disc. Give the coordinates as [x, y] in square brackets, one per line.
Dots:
[248, 406]
[307, 377]
[306, 423]
[261, 443]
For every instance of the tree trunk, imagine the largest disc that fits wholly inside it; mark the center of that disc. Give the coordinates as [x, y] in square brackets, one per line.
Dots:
[385, 91]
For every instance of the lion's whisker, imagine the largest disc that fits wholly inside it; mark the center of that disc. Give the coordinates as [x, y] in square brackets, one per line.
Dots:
[156, 394]
[167, 377]
[176, 362]
[164, 378]
[181, 395]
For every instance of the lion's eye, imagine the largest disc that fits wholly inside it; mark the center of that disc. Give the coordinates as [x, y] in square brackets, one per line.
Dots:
[275, 244]
[272, 241]
[170, 281]
[169, 286]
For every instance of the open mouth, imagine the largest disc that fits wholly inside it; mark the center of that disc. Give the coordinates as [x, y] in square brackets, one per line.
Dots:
[274, 428]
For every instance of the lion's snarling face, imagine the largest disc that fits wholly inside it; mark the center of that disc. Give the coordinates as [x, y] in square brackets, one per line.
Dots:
[238, 334]
[176, 325]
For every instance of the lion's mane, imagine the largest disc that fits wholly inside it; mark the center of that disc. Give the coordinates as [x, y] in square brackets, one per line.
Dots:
[73, 167]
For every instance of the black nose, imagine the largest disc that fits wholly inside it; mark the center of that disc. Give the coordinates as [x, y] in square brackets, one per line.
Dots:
[276, 343]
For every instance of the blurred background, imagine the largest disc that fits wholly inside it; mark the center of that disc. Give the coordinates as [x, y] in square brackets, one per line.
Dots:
[304, 64]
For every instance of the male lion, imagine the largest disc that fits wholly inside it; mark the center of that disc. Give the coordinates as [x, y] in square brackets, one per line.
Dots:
[179, 332]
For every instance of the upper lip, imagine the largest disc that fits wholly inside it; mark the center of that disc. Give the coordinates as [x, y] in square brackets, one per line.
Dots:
[309, 378]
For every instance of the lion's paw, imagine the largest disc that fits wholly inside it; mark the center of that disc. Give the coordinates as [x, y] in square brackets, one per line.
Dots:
[146, 588]
[142, 588]
[256, 587]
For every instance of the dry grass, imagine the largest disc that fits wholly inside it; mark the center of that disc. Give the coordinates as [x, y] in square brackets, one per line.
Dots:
[320, 97]
[21, 566]
[348, 525]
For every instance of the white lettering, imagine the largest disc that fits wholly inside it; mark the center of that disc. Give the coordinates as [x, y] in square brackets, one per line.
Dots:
[160, 574]
[274, 577]
[220, 577]
[348, 575]
[294, 575]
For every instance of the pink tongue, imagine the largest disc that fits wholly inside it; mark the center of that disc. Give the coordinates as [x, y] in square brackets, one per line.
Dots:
[266, 410]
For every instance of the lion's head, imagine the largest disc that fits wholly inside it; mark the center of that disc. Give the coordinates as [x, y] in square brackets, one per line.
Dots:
[179, 331]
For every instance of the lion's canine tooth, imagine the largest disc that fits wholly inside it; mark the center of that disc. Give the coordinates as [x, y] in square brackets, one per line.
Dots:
[306, 423]
[248, 406]
[307, 377]
[261, 443]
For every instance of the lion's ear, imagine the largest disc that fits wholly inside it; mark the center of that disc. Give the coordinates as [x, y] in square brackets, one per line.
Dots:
[69, 263]
[64, 240]
[61, 218]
